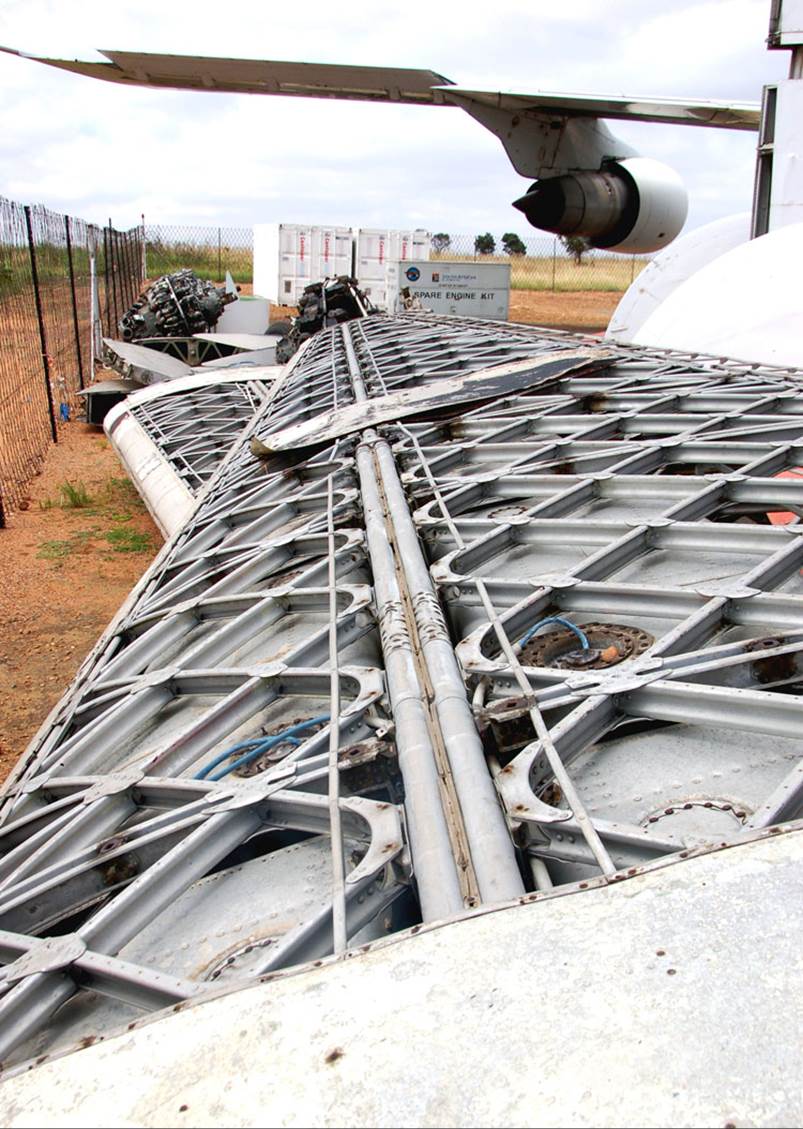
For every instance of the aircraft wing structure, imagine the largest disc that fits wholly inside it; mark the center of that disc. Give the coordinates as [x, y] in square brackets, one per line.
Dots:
[587, 181]
[386, 84]
[259, 76]
[473, 661]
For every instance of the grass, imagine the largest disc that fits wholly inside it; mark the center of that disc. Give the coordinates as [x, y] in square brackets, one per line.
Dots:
[123, 492]
[55, 550]
[528, 272]
[72, 496]
[116, 503]
[128, 540]
[165, 258]
[561, 273]
[119, 540]
[118, 500]
[77, 542]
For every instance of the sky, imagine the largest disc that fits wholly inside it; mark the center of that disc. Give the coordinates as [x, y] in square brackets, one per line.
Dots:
[97, 150]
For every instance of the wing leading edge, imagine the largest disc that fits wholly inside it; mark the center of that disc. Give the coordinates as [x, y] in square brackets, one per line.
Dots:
[388, 84]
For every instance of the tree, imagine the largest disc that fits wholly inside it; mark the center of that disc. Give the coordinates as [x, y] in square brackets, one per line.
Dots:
[485, 244]
[576, 246]
[512, 244]
[441, 242]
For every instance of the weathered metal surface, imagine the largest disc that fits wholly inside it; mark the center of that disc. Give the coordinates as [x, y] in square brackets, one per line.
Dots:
[352, 654]
[483, 385]
[667, 999]
[171, 437]
[241, 342]
[138, 362]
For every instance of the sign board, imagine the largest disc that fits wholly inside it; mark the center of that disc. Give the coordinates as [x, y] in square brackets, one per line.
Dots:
[471, 289]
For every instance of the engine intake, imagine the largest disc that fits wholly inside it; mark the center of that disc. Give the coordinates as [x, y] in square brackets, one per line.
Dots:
[634, 205]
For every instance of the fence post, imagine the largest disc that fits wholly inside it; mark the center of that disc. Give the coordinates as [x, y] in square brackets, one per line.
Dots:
[74, 302]
[219, 272]
[128, 267]
[93, 300]
[133, 267]
[41, 320]
[115, 268]
[632, 268]
[107, 294]
[554, 260]
[144, 252]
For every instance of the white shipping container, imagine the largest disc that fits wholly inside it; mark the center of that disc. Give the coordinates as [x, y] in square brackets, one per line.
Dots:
[378, 292]
[377, 252]
[480, 290]
[288, 257]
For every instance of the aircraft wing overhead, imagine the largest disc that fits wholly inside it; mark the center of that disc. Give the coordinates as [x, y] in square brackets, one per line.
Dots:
[260, 76]
[388, 84]
[587, 181]
[677, 111]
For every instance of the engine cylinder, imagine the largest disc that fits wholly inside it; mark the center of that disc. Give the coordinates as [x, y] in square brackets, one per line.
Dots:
[635, 205]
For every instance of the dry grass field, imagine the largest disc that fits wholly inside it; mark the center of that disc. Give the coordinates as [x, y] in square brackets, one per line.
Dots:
[560, 272]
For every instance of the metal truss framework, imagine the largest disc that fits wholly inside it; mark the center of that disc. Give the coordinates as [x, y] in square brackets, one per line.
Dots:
[195, 428]
[338, 703]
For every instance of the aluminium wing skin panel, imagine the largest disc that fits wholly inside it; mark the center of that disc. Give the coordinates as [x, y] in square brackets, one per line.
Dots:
[172, 436]
[258, 76]
[676, 111]
[349, 697]
[194, 422]
[390, 84]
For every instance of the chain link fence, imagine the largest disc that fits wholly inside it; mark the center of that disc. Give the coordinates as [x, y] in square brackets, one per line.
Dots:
[543, 262]
[538, 262]
[63, 284]
[209, 251]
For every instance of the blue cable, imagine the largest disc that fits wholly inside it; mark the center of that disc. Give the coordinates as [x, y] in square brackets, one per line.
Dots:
[254, 749]
[255, 746]
[254, 742]
[581, 635]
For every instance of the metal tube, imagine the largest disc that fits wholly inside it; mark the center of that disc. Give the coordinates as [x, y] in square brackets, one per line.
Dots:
[430, 845]
[490, 846]
[76, 330]
[107, 292]
[114, 267]
[339, 935]
[492, 851]
[93, 314]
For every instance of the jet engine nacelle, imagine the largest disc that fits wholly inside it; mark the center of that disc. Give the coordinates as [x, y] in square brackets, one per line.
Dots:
[633, 205]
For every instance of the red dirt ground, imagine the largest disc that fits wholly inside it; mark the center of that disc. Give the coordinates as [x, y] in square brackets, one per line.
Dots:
[62, 579]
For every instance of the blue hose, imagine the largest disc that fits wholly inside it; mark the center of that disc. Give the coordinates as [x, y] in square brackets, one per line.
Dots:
[581, 635]
[255, 747]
